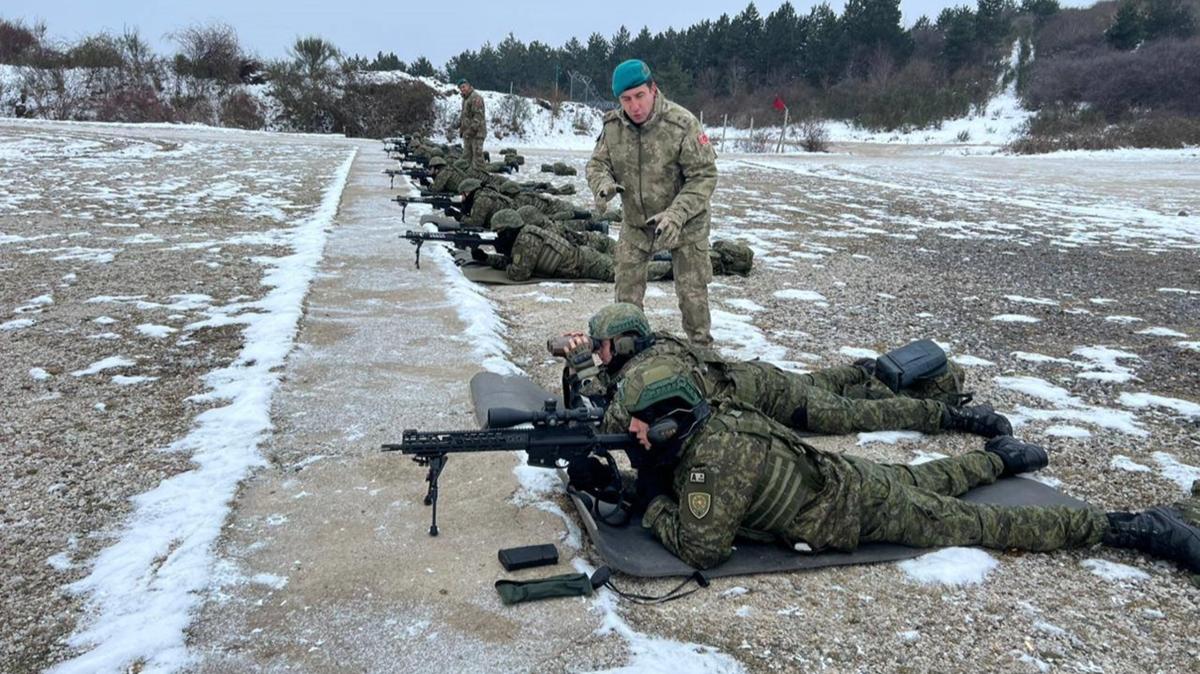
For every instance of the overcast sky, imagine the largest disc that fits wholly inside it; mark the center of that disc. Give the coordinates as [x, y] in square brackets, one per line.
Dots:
[436, 29]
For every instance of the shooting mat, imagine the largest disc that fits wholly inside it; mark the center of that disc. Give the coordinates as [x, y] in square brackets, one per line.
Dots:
[633, 550]
[486, 275]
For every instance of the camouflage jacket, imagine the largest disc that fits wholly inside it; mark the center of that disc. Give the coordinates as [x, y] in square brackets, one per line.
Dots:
[471, 122]
[666, 164]
[484, 205]
[742, 474]
[705, 362]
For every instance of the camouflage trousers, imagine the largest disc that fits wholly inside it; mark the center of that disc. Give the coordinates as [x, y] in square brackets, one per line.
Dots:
[690, 266]
[915, 505]
[473, 150]
[822, 401]
[595, 265]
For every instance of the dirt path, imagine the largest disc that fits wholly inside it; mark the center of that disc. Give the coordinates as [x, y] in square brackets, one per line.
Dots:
[329, 564]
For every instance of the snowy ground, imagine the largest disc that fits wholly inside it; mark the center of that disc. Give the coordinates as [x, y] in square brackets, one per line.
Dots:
[133, 284]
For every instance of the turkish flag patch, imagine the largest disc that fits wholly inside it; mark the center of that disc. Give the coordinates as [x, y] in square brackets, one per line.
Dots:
[702, 138]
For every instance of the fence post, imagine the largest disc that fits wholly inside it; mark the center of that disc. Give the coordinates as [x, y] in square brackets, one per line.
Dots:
[782, 132]
[724, 129]
[750, 142]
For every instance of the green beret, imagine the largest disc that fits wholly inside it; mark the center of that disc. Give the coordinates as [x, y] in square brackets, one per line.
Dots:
[630, 74]
[461, 81]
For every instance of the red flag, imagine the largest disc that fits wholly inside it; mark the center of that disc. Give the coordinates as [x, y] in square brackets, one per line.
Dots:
[778, 104]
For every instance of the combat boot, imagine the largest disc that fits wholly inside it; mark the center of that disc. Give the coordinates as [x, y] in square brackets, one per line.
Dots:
[1018, 457]
[977, 419]
[1162, 532]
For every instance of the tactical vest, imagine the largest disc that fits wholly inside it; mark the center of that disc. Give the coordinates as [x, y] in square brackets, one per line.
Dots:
[555, 256]
[788, 477]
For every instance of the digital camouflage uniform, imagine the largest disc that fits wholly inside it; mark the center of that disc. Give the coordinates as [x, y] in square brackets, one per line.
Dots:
[576, 233]
[666, 164]
[832, 401]
[472, 127]
[538, 252]
[728, 258]
[486, 201]
[744, 474]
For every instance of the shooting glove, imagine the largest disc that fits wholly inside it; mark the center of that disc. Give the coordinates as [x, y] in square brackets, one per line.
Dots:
[479, 255]
[666, 230]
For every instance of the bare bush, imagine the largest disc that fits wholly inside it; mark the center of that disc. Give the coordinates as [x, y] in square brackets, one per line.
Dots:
[1077, 128]
[814, 135]
[18, 42]
[210, 51]
[1163, 75]
[382, 109]
[96, 51]
[1071, 30]
[512, 116]
[755, 142]
[582, 123]
[133, 104]
[305, 104]
[55, 92]
[241, 111]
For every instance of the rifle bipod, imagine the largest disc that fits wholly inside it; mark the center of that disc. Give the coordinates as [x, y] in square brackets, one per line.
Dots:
[436, 464]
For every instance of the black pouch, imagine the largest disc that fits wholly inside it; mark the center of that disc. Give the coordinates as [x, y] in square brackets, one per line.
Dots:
[909, 364]
[528, 556]
[566, 585]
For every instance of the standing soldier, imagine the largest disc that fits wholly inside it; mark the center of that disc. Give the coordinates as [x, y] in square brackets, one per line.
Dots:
[655, 154]
[471, 123]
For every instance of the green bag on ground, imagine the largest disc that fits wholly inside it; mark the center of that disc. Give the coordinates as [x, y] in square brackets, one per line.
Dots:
[566, 585]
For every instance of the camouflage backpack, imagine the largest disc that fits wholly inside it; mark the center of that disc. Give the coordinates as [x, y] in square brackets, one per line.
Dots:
[732, 257]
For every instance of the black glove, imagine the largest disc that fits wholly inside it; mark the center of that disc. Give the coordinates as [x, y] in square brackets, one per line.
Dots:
[479, 255]
[588, 474]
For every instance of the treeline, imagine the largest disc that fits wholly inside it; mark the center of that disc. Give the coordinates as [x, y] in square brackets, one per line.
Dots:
[862, 65]
[1128, 63]
[210, 79]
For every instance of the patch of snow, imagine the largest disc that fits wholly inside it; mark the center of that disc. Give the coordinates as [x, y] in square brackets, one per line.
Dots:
[1114, 572]
[1122, 462]
[855, 352]
[122, 380]
[971, 361]
[1193, 346]
[1122, 319]
[1031, 300]
[802, 295]
[1068, 432]
[1179, 473]
[735, 591]
[654, 654]
[1162, 332]
[748, 342]
[889, 437]
[16, 324]
[1139, 400]
[39, 374]
[156, 331]
[1015, 318]
[749, 306]
[950, 566]
[109, 363]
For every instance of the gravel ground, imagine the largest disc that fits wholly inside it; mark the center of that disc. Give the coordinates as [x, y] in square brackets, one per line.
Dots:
[864, 233]
[113, 241]
[897, 246]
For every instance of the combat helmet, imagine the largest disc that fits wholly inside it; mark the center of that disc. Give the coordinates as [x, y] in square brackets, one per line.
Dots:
[530, 215]
[469, 185]
[462, 164]
[626, 326]
[508, 188]
[437, 162]
[506, 219]
[661, 389]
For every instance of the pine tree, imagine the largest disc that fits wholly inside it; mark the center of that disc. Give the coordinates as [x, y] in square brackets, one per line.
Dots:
[1126, 31]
